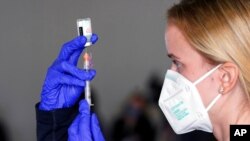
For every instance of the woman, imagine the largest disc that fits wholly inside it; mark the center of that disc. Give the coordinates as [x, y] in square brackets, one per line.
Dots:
[207, 87]
[208, 41]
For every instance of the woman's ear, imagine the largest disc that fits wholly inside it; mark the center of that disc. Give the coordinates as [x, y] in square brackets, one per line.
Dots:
[229, 74]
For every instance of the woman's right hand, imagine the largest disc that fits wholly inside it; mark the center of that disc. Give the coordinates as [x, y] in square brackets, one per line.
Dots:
[64, 82]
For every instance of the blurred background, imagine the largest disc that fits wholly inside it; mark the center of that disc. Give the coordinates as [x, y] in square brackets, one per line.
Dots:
[130, 59]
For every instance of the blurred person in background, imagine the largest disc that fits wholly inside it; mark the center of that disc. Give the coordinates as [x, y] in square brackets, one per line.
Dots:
[133, 124]
[207, 87]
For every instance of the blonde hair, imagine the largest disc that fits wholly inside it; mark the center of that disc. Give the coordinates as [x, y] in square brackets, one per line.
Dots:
[219, 30]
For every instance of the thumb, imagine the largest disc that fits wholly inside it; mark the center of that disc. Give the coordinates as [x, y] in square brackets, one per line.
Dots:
[95, 128]
[73, 130]
[84, 123]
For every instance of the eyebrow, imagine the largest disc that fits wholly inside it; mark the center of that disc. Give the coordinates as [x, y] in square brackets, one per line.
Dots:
[172, 56]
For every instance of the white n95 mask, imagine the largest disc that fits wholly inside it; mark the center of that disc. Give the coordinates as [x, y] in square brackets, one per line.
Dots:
[182, 105]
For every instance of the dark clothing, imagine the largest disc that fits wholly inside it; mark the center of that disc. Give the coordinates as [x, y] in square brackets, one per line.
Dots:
[4, 136]
[142, 130]
[53, 125]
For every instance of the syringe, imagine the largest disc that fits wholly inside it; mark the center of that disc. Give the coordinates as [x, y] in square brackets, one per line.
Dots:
[84, 29]
[87, 65]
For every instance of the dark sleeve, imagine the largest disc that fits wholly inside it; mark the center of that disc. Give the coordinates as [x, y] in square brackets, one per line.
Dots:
[53, 125]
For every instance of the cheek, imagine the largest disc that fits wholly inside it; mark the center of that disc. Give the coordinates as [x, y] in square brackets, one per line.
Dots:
[207, 90]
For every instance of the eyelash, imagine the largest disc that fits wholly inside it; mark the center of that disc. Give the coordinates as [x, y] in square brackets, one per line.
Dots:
[177, 64]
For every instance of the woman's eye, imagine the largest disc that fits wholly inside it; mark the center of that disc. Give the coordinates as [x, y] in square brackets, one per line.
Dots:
[177, 63]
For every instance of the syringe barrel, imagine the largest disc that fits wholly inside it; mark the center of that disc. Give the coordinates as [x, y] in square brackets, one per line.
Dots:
[88, 93]
[86, 65]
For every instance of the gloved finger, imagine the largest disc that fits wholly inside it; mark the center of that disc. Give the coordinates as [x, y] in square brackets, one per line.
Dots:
[84, 126]
[95, 128]
[75, 56]
[94, 38]
[69, 80]
[74, 71]
[72, 46]
[73, 131]
[84, 108]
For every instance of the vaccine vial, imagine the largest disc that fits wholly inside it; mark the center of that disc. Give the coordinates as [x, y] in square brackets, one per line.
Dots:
[84, 29]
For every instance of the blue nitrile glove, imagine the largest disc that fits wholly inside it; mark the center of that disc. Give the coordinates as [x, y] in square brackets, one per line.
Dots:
[85, 127]
[64, 82]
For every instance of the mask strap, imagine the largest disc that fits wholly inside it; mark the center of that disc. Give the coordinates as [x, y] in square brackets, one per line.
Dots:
[206, 75]
[213, 102]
